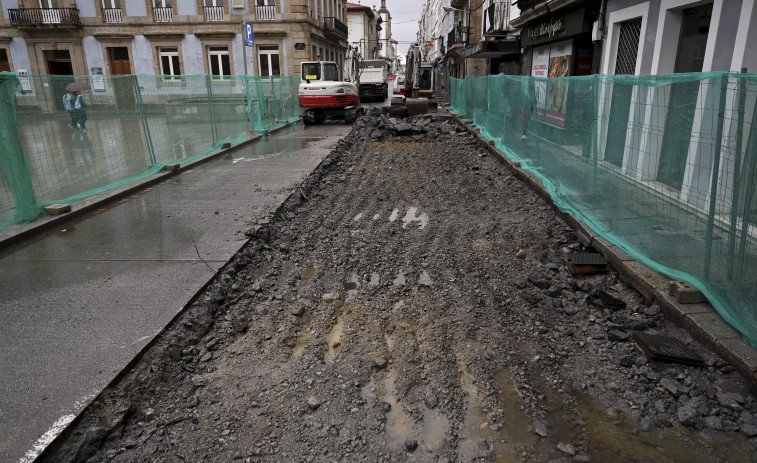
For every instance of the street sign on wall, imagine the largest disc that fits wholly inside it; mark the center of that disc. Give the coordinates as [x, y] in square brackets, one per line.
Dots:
[248, 37]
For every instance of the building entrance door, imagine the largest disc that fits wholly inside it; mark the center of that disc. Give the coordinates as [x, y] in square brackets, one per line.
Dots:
[122, 86]
[59, 64]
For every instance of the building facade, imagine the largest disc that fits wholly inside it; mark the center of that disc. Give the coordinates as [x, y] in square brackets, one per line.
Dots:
[169, 37]
[362, 29]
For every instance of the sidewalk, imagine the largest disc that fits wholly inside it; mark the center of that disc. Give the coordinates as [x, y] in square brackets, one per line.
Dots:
[81, 299]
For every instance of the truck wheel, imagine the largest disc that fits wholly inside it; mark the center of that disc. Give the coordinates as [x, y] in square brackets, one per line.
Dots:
[308, 118]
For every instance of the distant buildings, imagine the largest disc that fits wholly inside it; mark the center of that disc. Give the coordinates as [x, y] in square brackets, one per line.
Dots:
[599, 36]
[169, 37]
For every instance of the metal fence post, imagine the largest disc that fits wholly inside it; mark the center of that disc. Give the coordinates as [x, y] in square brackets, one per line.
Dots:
[741, 94]
[714, 175]
[214, 126]
[143, 118]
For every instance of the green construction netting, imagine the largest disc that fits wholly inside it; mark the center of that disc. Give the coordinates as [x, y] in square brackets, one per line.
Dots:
[665, 167]
[135, 124]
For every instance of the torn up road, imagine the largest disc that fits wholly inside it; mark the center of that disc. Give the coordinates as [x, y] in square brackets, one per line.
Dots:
[413, 302]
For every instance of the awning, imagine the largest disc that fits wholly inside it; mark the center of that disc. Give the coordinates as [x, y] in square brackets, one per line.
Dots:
[493, 49]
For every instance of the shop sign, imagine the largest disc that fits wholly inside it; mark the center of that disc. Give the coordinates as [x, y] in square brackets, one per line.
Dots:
[299, 46]
[547, 29]
[551, 95]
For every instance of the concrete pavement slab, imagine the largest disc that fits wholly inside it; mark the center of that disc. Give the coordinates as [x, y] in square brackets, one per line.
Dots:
[83, 298]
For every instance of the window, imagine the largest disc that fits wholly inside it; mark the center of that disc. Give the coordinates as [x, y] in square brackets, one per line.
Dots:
[112, 11]
[218, 57]
[311, 71]
[162, 11]
[330, 71]
[269, 61]
[628, 47]
[169, 62]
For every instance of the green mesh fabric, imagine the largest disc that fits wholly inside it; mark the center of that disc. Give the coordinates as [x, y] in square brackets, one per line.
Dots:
[134, 126]
[664, 167]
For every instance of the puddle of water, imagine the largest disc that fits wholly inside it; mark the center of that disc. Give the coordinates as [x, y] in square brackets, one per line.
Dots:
[375, 279]
[608, 438]
[395, 213]
[307, 273]
[335, 340]
[301, 344]
[358, 217]
[476, 425]
[376, 217]
[619, 440]
[435, 428]
[398, 422]
[411, 216]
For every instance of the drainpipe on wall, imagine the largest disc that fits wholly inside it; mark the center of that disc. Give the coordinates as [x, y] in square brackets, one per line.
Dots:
[598, 32]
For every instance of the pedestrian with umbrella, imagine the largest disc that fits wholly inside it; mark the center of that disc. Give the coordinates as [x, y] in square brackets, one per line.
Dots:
[79, 113]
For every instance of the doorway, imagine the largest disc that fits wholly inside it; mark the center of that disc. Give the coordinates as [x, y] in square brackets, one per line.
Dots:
[61, 73]
[122, 86]
[682, 104]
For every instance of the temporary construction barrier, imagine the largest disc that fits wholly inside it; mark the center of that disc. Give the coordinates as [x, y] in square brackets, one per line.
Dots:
[664, 167]
[129, 128]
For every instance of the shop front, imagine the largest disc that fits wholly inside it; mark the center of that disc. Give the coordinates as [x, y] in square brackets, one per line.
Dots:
[558, 45]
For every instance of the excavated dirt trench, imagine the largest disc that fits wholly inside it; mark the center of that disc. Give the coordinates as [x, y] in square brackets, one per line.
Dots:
[412, 302]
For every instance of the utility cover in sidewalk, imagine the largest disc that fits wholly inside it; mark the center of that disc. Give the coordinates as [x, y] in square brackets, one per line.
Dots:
[587, 262]
[666, 349]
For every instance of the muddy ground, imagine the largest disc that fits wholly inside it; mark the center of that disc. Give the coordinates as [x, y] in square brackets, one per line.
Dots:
[412, 302]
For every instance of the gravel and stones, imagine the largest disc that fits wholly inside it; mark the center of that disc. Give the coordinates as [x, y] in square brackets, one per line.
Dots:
[412, 302]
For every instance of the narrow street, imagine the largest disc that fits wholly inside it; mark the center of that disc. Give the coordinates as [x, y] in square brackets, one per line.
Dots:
[413, 303]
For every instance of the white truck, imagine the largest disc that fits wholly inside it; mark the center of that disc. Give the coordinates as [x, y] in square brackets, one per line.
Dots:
[373, 85]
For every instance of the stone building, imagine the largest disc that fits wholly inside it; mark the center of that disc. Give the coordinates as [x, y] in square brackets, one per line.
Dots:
[169, 37]
[362, 29]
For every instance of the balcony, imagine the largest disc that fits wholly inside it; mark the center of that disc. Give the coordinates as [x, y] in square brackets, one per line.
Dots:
[455, 38]
[213, 13]
[459, 4]
[162, 15]
[112, 15]
[36, 17]
[525, 5]
[265, 12]
[495, 19]
[334, 28]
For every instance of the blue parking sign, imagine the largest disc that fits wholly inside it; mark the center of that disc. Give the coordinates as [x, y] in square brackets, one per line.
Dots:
[250, 41]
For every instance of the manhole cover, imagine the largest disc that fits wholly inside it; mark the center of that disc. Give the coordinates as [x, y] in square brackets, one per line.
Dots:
[666, 349]
[587, 262]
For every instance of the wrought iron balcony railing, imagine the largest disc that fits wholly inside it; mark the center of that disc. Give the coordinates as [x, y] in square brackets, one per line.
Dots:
[112, 15]
[265, 12]
[34, 17]
[213, 13]
[162, 15]
[335, 26]
[455, 37]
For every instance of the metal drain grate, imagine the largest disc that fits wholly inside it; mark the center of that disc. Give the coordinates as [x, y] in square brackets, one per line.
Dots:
[666, 349]
[587, 262]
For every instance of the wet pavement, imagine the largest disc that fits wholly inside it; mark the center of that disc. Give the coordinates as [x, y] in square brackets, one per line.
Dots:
[82, 299]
